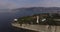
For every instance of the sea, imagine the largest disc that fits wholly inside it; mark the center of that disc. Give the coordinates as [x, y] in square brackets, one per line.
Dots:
[6, 19]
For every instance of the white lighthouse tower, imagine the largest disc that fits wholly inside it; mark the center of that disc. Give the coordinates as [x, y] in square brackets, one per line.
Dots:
[37, 19]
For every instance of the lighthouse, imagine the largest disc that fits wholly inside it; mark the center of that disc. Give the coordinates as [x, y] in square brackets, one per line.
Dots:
[37, 19]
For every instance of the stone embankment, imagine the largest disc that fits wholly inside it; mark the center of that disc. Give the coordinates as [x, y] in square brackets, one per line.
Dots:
[40, 28]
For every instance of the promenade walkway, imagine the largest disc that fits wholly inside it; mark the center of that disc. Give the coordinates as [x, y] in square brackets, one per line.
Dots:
[40, 28]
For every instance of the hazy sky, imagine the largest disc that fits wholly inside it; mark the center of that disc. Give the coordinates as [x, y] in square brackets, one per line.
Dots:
[28, 3]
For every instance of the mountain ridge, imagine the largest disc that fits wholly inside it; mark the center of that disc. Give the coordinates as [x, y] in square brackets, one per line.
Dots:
[40, 9]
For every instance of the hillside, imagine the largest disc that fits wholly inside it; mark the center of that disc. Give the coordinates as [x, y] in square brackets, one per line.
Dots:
[39, 9]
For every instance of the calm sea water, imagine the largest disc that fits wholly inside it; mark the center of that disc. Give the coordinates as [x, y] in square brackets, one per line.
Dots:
[7, 17]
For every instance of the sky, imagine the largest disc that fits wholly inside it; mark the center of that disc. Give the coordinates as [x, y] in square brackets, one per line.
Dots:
[11, 4]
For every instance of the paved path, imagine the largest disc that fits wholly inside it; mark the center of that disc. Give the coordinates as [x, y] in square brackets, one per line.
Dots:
[40, 28]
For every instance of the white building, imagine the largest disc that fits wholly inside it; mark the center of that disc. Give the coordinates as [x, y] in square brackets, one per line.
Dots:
[15, 19]
[43, 20]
